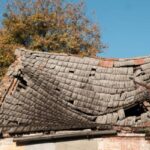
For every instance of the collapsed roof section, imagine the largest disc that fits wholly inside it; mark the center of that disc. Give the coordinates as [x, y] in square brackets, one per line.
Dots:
[50, 91]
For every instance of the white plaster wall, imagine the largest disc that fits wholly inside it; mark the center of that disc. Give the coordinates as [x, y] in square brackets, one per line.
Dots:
[109, 143]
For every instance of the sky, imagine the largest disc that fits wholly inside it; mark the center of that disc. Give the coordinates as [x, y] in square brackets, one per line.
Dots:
[124, 25]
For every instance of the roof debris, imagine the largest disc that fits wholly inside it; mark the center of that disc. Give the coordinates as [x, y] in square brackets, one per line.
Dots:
[53, 92]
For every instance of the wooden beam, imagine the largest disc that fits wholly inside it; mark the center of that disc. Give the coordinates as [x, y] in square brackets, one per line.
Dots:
[69, 136]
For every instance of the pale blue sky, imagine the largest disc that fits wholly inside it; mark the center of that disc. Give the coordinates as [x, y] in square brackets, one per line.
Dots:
[125, 25]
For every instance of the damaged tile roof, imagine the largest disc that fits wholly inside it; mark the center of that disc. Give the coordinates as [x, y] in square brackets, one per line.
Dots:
[50, 91]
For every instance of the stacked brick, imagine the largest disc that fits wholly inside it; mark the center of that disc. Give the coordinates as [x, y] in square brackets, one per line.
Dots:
[59, 92]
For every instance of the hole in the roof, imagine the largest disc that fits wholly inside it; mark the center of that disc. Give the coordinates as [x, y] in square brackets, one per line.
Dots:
[71, 101]
[136, 110]
[22, 82]
[93, 69]
[57, 89]
[71, 71]
[91, 75]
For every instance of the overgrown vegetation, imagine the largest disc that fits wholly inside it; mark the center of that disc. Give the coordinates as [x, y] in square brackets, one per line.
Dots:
[47, 25]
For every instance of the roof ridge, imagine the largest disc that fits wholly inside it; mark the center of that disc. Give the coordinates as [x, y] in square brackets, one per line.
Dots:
[24, 50]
